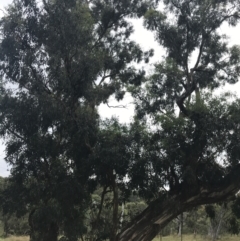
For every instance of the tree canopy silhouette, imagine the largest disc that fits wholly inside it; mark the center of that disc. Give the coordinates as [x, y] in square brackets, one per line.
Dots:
[61, 59]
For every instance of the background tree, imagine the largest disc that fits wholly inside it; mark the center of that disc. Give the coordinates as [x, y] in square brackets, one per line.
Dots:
[218, 215]
[234, 218]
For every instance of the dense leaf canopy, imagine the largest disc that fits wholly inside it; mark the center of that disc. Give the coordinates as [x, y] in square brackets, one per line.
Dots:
[59, 60]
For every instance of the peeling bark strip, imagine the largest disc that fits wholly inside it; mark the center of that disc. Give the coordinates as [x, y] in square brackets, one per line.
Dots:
[160, 212]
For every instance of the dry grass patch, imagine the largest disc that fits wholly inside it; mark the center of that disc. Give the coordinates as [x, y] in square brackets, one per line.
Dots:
[198, 238]
[16, 238]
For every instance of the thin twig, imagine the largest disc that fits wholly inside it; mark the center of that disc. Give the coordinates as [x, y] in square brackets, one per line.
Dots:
[117, 106]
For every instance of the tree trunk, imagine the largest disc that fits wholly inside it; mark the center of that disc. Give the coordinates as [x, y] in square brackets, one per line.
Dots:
[160, 212]
[219, 228]
[51, 234]
[216, 224]
[180, 233]
[115, 210]
[122, 216]
[180, 225]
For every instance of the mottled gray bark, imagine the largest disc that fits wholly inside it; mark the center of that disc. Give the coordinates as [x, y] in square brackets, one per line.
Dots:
[160, 212]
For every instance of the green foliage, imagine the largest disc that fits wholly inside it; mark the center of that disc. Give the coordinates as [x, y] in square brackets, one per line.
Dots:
[10, 222]
[189, 143]
[133, 209]
[65, 58]
[15, 226]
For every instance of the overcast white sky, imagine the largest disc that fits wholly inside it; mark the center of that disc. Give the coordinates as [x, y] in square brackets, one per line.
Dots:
[146, 40]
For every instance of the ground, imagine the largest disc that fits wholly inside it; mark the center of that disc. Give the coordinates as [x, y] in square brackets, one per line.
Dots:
[167, 238]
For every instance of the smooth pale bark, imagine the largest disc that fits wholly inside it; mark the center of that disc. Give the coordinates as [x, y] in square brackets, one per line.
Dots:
[180, 225]
[216, 223]
[160, 212]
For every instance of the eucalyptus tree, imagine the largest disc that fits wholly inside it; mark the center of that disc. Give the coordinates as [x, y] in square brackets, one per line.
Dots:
[193, 158]
[60, 59]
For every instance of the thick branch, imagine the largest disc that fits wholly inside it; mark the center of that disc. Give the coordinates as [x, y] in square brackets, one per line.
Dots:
[104, 192]
[184, 96]
[160, 212]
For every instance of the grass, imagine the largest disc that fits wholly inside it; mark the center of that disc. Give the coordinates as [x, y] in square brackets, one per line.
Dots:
[166, 238]
[197, 238]
[15, 238]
